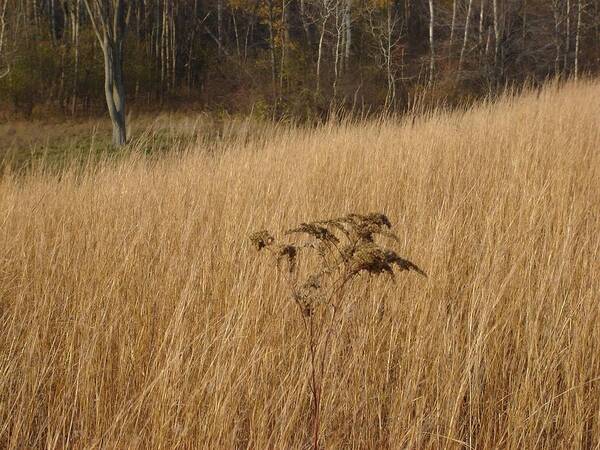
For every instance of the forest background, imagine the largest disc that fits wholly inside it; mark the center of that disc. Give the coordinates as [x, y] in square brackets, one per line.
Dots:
[299, 59]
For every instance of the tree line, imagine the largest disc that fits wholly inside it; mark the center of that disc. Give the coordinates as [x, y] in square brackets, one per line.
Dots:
[279, 58]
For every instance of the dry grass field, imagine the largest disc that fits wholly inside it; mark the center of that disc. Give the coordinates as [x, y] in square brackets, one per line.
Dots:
[135, 313]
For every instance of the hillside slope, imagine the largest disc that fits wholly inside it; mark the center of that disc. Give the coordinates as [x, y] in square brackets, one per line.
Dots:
[135, 313]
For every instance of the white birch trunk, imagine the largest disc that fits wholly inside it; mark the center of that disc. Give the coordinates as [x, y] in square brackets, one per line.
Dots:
[557, 59]
[568, 36]
[497, 36]
[348, 26]
[75, 19]
[580, 7]
[320, 53]
[452, 29]
[463, 50]
[481, 17]
[391, 94]
[431, 41]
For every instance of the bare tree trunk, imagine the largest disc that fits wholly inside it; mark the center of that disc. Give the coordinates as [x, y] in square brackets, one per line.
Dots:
[555, 7]
[272, 47]
[220, 24]
[236, 32]
[247, 38]
[465, 38]
[567, 36]
[3, 71]
[391, 94]
[580, 7]
[488, 42]
[110, 26]
[190, 58]
[2, 24]
[173, 46]
[52, 14]
[431, 42]
[481, 17]
[343, 40]
[36, 17]
[284, 42]
[348, 24]
[163, 50]
[452, 28]
[497, 37]
[155, 31]
[75, 21]
[524, 21]
[596, 23]
[340, 34]
[305, 23]
[320, 53]
[114, 89]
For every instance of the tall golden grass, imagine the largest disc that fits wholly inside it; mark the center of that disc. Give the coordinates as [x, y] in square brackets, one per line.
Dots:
[134, 312]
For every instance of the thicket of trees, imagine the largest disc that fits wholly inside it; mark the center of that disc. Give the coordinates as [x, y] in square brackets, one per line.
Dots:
[286, 57]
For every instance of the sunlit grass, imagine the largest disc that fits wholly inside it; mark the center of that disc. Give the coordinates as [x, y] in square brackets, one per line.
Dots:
[134, 313]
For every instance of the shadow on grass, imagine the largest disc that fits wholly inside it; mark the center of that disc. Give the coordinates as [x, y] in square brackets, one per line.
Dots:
[82, 151]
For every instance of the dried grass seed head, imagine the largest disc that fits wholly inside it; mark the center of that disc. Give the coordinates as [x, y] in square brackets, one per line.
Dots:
[262, 239]
[316, 230]
[373, 259]
[289, 252]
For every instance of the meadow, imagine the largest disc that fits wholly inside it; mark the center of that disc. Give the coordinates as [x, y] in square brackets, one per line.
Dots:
[135, 312]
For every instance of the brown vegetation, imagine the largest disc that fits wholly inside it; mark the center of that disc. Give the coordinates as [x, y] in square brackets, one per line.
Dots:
[333, 252]
[134, 312]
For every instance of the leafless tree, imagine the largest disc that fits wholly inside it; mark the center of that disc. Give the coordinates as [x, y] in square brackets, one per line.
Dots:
[481, 22]
[465, 38]
[431, 42]
[73, 11]
[498, 34]
[348, 26]
[305, 23]
[338, 50]
[3, 6]
[220, 23]
[273, 50]
[581, 4]
[285, 39]
[109, 19]
[567, 34]
[556, 10]
[324, 10]
[386, 28]
[452, 28]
